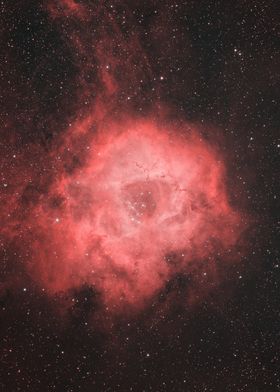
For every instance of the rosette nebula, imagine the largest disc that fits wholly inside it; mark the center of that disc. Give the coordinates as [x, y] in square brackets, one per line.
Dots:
[141, 203]
[127, 194]
[139, 185]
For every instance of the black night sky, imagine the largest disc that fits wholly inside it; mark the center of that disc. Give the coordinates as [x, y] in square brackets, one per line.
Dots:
[198, 317]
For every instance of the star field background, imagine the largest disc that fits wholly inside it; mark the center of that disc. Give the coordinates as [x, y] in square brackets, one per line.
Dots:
[217, 63]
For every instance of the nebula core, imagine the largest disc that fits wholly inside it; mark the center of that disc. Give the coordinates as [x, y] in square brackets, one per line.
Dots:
[141, 203]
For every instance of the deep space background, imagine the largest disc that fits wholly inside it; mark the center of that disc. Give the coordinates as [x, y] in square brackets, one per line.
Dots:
[215, 63]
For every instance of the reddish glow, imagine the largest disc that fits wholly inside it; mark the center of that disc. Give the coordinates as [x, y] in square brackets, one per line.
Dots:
[140, 192]
[66, 7]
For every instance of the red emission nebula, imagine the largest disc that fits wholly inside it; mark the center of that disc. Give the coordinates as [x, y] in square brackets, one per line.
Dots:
[119, 202]
[144, 203]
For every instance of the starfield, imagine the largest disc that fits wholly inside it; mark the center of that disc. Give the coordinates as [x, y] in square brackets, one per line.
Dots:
[139, 196]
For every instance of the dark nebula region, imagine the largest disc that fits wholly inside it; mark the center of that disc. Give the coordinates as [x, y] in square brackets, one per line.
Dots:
[139, 189]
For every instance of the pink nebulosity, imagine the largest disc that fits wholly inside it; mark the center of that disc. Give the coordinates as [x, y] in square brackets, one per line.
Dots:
[141, 191]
